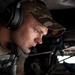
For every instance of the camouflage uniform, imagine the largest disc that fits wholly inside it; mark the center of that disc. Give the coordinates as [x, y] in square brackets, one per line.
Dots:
[8, 61]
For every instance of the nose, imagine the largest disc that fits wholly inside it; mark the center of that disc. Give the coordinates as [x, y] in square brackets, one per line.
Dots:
[38, 40]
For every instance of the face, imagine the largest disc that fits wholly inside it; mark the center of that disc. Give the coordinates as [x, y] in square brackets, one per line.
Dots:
[29, 34]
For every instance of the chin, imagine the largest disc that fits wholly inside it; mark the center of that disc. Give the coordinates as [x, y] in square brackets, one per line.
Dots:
[27, 51]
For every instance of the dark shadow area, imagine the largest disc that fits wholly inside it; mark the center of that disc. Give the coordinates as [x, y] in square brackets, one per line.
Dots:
[66, 17]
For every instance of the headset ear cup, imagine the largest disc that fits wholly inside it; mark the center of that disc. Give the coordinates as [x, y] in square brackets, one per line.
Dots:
[20, 19]
[13, 16]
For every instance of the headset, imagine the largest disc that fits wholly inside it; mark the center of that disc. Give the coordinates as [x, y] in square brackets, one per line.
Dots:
[13, 14]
